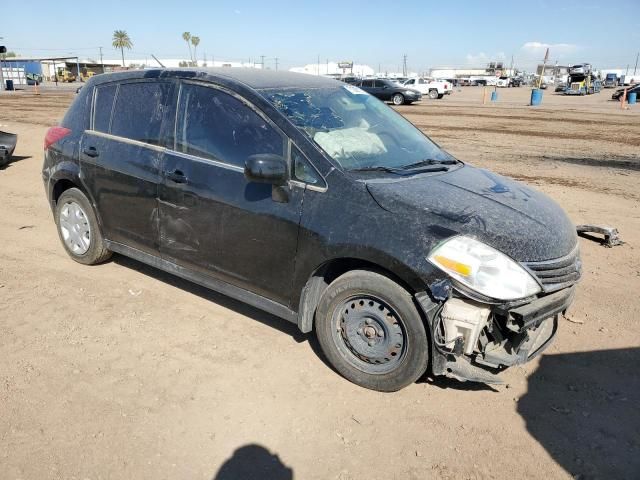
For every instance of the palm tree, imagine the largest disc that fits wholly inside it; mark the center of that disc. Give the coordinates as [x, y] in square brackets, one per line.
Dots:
[196, 41]
[121, 40]
[186, 36]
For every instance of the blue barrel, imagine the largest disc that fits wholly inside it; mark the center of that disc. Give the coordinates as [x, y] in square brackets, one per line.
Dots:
[10, 85]
[536, 97]
[494, 96]
[632, 98]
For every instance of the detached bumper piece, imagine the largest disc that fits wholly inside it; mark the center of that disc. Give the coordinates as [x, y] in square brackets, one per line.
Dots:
[610, 234]
[7, 146]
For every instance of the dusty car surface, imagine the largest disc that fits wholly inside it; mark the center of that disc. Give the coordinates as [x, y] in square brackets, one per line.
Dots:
[310, 199]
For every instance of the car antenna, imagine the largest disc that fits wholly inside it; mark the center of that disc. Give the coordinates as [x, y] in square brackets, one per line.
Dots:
[154, 57]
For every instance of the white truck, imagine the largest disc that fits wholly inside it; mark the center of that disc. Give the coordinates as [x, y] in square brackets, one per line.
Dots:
[432, 88]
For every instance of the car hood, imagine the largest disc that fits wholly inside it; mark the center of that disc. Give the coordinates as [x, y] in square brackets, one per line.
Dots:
[511, 217]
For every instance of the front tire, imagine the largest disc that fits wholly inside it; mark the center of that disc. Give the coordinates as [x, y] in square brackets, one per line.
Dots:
[371, 332]
[397, 99]
[78, 228]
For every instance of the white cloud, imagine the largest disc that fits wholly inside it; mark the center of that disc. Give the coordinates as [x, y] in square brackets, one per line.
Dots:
[554, 48]
[532, 53]
[480, 59]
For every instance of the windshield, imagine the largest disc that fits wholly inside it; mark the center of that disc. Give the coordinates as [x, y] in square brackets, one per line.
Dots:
[355, 129]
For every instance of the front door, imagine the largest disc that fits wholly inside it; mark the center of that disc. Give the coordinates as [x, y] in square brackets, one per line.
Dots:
[212, 220]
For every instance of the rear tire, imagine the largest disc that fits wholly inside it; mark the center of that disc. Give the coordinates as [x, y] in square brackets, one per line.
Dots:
[371, 332]
[433, 94]
[78, 228]
[397, 99]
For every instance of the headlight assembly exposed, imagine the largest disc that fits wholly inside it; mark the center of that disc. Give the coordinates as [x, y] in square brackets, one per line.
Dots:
[483, 269]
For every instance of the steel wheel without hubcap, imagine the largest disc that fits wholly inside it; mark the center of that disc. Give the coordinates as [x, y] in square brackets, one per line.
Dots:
[75, 228]
[369, 334]
[398, 99]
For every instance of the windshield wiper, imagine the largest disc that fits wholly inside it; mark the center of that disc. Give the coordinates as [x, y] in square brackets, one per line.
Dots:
[428, 161]
[379, 168]
[400, 170]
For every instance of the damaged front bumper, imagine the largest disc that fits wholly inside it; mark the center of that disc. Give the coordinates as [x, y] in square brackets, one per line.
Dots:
[508, 334]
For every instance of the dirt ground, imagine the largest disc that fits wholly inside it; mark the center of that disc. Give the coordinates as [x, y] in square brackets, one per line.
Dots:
[121, 371]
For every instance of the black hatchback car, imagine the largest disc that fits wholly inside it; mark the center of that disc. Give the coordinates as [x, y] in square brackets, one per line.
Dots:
[312, 200]
[389, 91]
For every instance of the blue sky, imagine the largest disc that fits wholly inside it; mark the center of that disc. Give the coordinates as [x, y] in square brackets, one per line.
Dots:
[431, 33]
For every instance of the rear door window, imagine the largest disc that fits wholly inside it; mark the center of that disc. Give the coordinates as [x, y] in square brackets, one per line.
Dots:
[216, 125]
[139, 110]
[102, 107]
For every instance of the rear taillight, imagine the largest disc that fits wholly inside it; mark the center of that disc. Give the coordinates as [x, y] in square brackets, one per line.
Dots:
[55, 134]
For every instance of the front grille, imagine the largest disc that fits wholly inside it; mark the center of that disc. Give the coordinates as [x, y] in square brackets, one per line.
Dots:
[575, 86]
[558, 273]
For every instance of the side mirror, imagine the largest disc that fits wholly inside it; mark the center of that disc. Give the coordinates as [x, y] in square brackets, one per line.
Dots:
[266, 168]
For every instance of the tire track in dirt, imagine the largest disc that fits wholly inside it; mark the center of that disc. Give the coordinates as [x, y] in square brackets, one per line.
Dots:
[449, 114]
[629, 140]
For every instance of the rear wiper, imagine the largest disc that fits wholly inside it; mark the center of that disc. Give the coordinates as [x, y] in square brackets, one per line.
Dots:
[428, 161]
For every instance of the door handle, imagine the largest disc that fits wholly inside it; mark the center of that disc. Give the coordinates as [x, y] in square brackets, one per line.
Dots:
[176, 176]
[91, 152]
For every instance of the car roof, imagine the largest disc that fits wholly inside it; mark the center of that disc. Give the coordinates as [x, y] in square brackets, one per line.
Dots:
[255, 78]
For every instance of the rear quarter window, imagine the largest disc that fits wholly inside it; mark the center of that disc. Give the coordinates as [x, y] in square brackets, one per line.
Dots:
[139, 110]
[102, 106]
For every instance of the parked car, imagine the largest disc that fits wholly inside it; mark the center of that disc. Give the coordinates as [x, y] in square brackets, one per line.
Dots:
[617, 95]
[561, 87]
[611, 80]
[503, 82]
[389, 91]
[580, 69]
[310, 199]
[433, 88]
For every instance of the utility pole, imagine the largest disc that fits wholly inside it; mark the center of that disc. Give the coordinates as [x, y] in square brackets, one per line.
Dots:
[318, 72]
[262, 62]
[1, 65]
[636, 67]
[327, 66]
[101, 64]
[276, 60]
[404, 65]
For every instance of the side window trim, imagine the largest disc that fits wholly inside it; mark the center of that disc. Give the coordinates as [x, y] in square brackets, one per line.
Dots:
[218, 161]
[94, 95]
[301, 183]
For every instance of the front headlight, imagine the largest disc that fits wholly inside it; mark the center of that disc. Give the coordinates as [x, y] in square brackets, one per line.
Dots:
[409, 92]
[483, 269]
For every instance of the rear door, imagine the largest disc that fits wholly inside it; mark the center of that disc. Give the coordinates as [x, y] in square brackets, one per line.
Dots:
[211, 219]
[120, 159]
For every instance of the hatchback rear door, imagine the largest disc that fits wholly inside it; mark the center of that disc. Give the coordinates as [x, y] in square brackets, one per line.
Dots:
[212, 220]
[120, 159]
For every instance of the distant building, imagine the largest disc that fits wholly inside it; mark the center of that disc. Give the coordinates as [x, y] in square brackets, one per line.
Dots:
[333, 69]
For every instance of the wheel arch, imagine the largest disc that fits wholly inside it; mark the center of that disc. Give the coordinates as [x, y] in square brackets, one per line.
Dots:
[63, 180]
[326, 273]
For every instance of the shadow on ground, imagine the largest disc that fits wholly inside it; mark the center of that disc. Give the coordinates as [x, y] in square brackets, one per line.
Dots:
[14, 159]
[253, 462]
[584, 409]
[215, 297]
